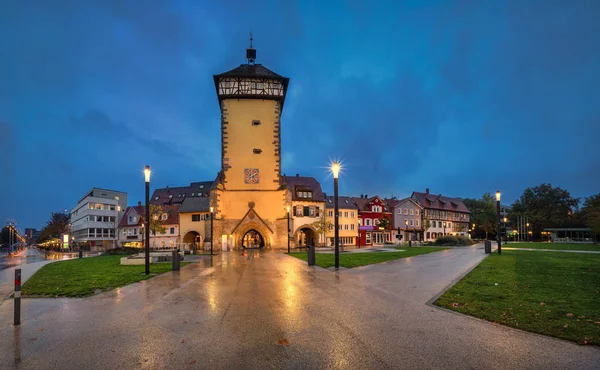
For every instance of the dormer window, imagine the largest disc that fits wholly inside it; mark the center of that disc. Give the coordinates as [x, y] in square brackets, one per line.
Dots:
[164, 217]
[193, 194]
[201, 186]
[156, 198]
[170, 196]
[200, 194]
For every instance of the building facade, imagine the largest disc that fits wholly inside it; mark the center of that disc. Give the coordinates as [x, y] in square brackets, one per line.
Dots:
[370, 212]
[95, 219]
[443, 215]
[194, 222]
[131, 227]
[307, 210]
[347, 221]
[407, 217]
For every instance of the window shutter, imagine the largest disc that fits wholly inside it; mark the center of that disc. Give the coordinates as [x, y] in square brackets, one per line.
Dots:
[294, 211]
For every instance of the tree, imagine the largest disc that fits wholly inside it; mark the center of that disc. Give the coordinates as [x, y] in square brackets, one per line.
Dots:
[590, 212]
[156, 221]
[483, 212]
[58, 224]
[322, 225]
[426, 222]
[384, 222]
[546, 206]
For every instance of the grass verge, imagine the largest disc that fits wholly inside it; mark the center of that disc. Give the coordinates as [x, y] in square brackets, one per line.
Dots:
[559, 246]
[555, 294]
[363, 259]
[83, 277]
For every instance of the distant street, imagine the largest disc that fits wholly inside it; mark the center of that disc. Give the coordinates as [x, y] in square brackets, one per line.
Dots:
[29, 255]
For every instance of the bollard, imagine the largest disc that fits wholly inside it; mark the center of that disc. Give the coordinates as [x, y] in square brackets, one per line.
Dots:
[410, 243]
[175, 260]
[17, 296]
[80, 254]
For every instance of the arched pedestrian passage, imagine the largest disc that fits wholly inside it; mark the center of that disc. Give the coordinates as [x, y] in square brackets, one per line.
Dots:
[252, 239]
[306, 235]
[193, 239]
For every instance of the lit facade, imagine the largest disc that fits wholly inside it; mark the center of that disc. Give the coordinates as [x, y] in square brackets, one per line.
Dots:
[95, 218]
[443, 215]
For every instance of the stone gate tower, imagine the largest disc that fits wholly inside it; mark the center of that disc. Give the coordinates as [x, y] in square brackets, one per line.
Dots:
[248, 197]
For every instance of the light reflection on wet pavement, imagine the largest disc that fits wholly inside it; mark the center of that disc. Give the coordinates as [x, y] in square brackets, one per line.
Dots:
[263, 310]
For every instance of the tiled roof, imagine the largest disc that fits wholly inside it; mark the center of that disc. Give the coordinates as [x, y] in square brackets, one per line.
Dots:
[393, 203]
[195, 204]
[138, 211]
[440, 202]
[301, 183]
[343, 202]
[251, 70]
[362, 203]
[176, 195]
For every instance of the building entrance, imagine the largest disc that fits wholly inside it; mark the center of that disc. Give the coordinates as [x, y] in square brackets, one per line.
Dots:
[252, 240]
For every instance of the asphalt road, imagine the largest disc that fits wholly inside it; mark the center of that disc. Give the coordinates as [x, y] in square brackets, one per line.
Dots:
[261, 310]
[26, 256]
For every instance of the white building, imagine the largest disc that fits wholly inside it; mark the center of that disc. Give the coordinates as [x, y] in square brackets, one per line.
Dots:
[95, 218]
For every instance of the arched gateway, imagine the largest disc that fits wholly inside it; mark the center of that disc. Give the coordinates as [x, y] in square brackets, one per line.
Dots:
[252, 240]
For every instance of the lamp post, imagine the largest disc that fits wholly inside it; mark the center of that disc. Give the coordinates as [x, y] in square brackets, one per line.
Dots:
[147, 230]
[498, 236]
[212, 210]
[288, 216]
[444, 224]
[527, 232]
[335, 168]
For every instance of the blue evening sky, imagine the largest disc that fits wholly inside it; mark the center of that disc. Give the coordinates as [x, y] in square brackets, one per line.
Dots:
[462, 97]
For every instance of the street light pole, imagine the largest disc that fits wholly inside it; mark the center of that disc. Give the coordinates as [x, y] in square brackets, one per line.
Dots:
[335, 168]
[506, 236]
[147, 176]
[444, 228]
[288, 216]
[211, 229]
[498, 236]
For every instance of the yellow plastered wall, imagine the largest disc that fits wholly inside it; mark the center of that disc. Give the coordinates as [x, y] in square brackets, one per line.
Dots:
[241, 137]
[269, 205]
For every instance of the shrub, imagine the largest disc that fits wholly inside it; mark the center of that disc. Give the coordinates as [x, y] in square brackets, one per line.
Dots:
[453, 240]
[123, 251]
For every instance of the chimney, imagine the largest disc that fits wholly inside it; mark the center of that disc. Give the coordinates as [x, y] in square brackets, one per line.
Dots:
[297, 175]
[167, 186]
[139, 203]
[366, 196]
[427, 191]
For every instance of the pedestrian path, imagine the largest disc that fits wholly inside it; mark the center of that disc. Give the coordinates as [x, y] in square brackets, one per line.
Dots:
[7, 276]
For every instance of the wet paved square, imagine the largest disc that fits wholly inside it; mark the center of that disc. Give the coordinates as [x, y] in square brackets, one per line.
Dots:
[267, 310]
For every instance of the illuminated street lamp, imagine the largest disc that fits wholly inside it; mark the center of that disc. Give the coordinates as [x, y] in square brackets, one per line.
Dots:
[527, 232]
[444, 224]
[212, 215]
[147, 230]
[288, 216]
[506, 236]
[498, 236]
[335, 169]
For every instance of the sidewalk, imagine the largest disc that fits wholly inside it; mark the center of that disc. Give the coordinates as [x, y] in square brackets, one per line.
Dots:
[7, 277]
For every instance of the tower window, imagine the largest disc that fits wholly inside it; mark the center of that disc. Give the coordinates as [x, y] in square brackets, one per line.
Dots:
[257, 151]
[255, 122]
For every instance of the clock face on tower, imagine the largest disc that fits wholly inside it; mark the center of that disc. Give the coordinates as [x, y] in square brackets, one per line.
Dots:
[251, 175]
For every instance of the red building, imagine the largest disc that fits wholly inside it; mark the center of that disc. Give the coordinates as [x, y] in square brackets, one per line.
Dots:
[370, 212]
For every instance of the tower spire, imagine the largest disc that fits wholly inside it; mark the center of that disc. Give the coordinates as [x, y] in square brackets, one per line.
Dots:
[251, 52]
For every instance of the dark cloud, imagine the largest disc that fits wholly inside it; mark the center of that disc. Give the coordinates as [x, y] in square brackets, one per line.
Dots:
[461, 97]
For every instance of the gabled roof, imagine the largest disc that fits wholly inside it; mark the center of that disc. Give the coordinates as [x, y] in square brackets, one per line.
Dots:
[138, 211]
[195, 204]
[301, 183]
[343, 202]
[393, 203]
[176, 195]
[363, 203]
[440, 202]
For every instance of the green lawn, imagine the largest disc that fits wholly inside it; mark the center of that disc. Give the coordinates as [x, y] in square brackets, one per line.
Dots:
[556, 294]
[362, 259]
[82, 277]
[570, 247]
